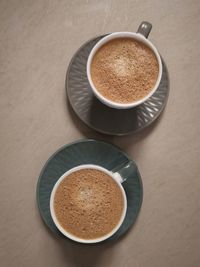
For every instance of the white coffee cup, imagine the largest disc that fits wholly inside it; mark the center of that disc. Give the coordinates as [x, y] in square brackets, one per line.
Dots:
[141, 35]
[115, 176]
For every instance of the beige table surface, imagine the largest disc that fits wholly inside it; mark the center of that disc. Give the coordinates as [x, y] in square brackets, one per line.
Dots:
[37, 41]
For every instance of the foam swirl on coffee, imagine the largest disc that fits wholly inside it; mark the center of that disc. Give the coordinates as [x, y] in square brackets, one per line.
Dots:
[124, 70]
[88, 203]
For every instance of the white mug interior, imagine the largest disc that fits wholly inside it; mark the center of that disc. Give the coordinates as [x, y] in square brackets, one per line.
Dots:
[116, 178]
[104, 40]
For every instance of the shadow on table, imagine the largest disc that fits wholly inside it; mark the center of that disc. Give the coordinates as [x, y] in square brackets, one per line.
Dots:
[132, 142]
[100, 116]
[86, 255]
[84, 129]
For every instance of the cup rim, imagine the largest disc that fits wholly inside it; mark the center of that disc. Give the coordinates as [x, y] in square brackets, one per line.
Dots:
[71, 236]
[139, 37]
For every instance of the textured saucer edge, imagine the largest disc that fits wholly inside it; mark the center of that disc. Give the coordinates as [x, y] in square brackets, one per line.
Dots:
[81, 141]
[98, 130]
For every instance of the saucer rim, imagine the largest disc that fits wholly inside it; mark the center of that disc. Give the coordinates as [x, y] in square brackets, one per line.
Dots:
[83, 140]
[86, 123]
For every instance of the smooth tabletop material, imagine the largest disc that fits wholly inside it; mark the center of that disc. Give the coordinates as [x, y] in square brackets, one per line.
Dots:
[37, 40]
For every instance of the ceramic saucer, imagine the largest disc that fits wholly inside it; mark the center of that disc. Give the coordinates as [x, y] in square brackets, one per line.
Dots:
[89, 152]
[100, 117]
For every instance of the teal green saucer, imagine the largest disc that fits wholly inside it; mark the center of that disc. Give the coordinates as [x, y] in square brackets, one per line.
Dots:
[89, 152]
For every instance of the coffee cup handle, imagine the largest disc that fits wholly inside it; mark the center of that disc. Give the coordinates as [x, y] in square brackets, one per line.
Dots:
[144, 28]
[123, 171]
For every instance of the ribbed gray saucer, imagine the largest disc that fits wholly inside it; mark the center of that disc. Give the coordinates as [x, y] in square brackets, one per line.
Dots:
[100, 117]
